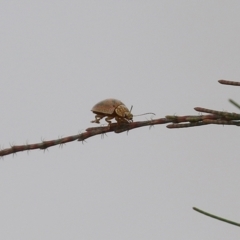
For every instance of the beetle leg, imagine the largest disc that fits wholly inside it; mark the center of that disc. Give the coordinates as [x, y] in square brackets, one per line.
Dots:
[107, 119]
[97, 118]
[121, 120]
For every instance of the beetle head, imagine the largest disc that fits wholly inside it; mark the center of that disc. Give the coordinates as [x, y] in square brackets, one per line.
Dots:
[123, 112]
[128, 115]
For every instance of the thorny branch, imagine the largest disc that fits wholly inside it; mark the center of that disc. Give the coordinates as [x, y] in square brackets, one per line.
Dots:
[212, 117]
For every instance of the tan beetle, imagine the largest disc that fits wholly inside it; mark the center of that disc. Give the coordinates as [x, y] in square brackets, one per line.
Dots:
[112, 108]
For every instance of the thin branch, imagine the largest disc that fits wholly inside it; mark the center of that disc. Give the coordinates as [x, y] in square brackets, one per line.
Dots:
[221, 114]
[213, 117]
[90, 132]
[216, 117]
[227, 82]
[234, 103]
[216, 217]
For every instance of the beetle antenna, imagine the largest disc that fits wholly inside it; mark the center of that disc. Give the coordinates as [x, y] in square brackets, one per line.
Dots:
[143, 114]
[131, 108]
[140, 114]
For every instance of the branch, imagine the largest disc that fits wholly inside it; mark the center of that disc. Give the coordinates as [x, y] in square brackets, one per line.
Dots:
[234, 103]
[227, 82]
[90, 132]
[216, 217]
[213, 117]
[216, 117]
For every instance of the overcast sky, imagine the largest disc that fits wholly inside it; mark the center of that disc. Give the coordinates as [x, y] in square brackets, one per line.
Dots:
[58, 59]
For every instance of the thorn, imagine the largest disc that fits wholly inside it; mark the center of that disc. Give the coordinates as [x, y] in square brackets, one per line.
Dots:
[27, 147]
[103, 134]
[60, 143]
[151, 126]
[83, 141]
[45, 149]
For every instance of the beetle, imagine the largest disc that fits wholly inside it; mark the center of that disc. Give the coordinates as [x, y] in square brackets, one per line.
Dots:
[112, 108]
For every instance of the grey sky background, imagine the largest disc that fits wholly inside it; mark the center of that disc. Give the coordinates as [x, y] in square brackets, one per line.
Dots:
[59, 58]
